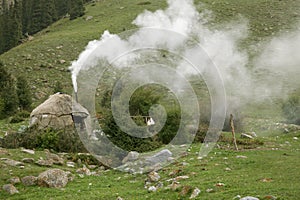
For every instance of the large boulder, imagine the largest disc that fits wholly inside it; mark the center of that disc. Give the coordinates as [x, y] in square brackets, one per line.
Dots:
[57, 112]
[53, 178]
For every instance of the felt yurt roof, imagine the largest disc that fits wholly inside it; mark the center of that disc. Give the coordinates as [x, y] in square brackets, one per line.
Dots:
[59, 104]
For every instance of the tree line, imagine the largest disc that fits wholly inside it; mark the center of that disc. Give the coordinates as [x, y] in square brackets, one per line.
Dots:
[15, 93]
[26, 17]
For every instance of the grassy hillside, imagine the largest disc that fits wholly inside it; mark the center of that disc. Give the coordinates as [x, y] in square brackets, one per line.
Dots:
[264, 167]
[264, 172]
[45, 59]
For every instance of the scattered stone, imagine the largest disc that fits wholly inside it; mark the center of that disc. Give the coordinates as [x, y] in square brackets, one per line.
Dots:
[270, 197]
[10, 189]
[57, 160]
[62, 61]
[249, 198]
[152, 189]
[220, 184]
[240, 156]
[186, 190]
[159, 157]
[88, 18]
[14, 180]
[227, 169]
[84, 171]
[70, 164]
[29, 180]
[29, 151]
[132, 156]
[178, 178]
[253, 134]
[153, 176]
[92, 167]
[195, 193]
[210, 190]
[12, 163]
[44, 163]
[174, 185]
[53, 178]
[266, 180]
[244, 135]
[119, 198]
[295, 138]
[237, 197]
[159, 185]
[28, 160]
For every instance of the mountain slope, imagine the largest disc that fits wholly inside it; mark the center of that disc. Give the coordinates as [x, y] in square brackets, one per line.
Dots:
[45, 58]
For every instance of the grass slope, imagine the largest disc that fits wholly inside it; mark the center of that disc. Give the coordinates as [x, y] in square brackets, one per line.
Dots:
[45, 59]
[268, 170]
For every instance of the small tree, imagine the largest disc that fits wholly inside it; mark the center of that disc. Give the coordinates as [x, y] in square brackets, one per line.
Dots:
[24, 93]
[8, 91]
[76, 9]
[57, 87]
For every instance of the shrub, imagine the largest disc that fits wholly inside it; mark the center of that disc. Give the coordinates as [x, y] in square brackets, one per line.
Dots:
[19, 117]
[16, 119]
[61, 141]
[24, 93]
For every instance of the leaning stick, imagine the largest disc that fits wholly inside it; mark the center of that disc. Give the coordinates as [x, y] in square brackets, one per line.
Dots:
[233, 132]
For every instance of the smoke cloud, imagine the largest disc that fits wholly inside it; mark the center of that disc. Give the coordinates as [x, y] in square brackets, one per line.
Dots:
[276, 68]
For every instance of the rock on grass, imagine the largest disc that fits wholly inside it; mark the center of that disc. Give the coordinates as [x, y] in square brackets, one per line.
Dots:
[10, 189]
[53, 178]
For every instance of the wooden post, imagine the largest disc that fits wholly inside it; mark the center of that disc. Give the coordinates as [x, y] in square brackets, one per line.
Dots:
[233, 132]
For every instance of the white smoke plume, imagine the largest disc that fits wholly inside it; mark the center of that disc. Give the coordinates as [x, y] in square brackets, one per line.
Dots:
[181, 17]
[278, 66]
[221, 45]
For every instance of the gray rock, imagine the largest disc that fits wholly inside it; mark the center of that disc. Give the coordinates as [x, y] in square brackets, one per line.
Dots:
[132, 156]
[249, 198]
[253, 134]
[241, 156]
[29, 180]
[29, 151]
[14, 180]
[152, 189]
[10, 189]
[44, 163]
[70, 164]
[195, 193]
[88, 18]
[153, 176]
[159, 157]
[12, 163]
[28, 160]
[53, 178]
[57, 160]
[84, 171]
[244, 135]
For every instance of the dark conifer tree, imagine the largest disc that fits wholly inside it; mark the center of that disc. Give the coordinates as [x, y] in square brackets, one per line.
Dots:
[8, 94]
[76, 9]
[23, 92]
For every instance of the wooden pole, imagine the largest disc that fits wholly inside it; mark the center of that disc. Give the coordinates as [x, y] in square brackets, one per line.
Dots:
[233, 132]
